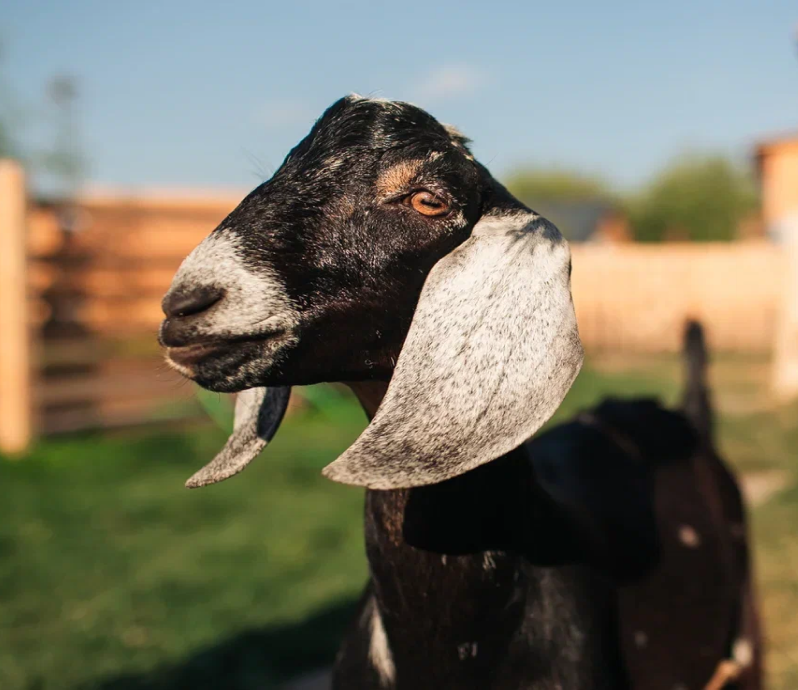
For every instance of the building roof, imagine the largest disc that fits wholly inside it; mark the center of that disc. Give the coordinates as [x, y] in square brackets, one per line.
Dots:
[577, 220]
[768, 145]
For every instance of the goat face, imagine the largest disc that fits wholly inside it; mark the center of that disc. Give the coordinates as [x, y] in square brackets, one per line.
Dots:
[382, 250]
[315, 276]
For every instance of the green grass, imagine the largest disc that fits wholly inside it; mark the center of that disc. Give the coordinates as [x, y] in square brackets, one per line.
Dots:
[114, 576]
[109, 567]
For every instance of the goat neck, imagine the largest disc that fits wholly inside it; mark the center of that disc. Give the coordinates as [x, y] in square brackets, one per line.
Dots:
[481, 581]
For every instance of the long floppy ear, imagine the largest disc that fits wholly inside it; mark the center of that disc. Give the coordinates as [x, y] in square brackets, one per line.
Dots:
[492, 350]
[258, 414]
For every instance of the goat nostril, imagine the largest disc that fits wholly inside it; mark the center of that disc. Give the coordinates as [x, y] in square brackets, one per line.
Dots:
[187, 302]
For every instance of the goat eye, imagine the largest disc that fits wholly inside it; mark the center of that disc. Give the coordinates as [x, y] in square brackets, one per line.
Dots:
[428, 204]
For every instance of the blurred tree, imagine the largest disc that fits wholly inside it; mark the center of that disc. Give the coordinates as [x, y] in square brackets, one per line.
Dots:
[533, 185]
[573, 201]
[64, 160]
[7, 147]
[696, 197]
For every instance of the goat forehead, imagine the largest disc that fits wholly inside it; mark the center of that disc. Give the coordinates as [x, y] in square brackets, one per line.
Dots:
[319, 181]
[360, 151]
[360, 129]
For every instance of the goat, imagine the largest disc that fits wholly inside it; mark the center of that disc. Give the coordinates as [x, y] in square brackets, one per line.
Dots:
[686, 603]
[382, 255]
[720, 488]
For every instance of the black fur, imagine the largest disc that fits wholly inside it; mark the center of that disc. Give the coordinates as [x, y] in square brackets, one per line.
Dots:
[352, 262]
[696, 403]
[484, 581]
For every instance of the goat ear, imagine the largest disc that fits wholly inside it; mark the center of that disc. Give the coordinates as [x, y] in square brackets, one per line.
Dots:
[258, 414]
[491, 351]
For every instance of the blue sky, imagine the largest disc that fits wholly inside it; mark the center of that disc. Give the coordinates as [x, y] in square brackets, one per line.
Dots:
[179, 93]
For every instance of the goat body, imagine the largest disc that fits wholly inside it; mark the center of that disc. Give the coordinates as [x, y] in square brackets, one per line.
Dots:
[697, 606]
[480, 582]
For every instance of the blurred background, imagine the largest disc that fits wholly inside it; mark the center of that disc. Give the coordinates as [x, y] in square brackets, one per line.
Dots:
[661, 138]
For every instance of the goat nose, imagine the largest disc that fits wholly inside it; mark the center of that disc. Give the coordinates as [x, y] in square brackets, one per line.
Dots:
[194, 301]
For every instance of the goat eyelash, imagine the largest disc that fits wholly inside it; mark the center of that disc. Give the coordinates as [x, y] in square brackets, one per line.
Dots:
[399, 197]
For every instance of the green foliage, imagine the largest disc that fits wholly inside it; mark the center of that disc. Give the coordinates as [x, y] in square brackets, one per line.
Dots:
[573, 201]
[699, 197]
[536, 185]
[7, 147]
[113, 575]
[696, 197]
[218, 406]
[332, 402]
[63, 160]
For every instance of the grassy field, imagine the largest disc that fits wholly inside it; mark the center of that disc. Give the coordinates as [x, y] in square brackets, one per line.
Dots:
[113, 576]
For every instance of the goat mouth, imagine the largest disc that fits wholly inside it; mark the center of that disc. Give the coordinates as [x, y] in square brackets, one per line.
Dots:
[188, 355]
[185, 357]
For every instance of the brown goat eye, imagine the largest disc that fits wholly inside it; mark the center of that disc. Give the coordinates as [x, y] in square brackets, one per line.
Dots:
[428, 204]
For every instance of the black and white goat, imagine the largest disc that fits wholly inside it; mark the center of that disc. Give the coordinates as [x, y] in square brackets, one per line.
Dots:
[383, 255]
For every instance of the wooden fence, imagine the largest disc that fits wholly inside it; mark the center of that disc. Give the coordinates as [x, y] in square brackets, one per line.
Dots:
[636, 297]
[80, 291]
[80, 307]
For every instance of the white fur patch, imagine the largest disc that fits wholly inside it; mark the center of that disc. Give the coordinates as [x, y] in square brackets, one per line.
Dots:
[379, 651]
[179, 368]
[689, 537]
[467, 649]
[255, 302]
[743, 652]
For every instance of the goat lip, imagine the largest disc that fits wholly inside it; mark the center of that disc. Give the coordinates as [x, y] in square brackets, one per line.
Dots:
[192, 354]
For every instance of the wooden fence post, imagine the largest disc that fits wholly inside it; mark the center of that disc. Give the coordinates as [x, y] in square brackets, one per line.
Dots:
[15, 343]
[785, 351]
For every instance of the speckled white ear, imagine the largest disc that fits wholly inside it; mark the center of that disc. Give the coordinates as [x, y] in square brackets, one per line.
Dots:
[258, 414]
[492, 350]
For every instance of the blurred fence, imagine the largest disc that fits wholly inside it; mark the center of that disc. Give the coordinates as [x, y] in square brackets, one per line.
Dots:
[636, 297]
[80, 351]
[95, 274]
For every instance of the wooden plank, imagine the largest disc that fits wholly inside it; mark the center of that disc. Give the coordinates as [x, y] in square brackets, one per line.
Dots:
[87, 350]
[212, 201]
[162, 240]
[117, 414]
[100, 386]
[45, 237]
[100, 282]
[15, 360]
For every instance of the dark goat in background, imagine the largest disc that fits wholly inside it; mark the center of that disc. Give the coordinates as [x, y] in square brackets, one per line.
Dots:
[687, 609]
[383, 255]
